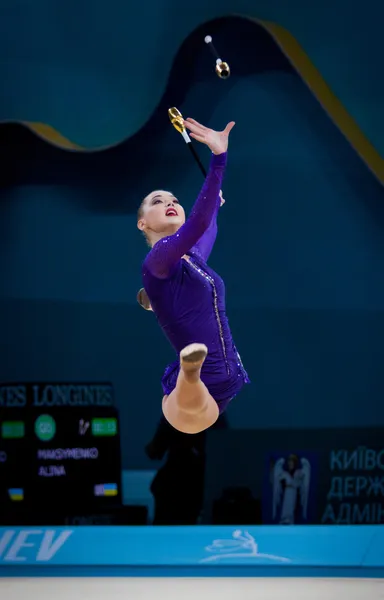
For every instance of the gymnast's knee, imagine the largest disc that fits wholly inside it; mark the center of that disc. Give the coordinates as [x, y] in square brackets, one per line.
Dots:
[188, 421]
[194, 405]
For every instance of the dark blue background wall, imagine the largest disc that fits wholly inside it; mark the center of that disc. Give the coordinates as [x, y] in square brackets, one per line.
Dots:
[300, 248]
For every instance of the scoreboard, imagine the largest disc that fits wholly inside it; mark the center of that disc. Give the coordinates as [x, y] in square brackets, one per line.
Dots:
[59, 448]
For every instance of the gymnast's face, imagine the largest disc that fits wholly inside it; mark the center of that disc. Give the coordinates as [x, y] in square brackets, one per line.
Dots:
[160, 213]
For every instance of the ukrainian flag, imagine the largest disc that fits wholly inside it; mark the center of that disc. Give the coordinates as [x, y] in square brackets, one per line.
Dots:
[16, 494]
[110, 489]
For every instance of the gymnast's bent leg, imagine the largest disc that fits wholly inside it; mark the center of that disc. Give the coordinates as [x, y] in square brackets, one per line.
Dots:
[190, 408]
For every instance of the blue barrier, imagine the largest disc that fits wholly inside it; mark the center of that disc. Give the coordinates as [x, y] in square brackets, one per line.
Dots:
[301, 548]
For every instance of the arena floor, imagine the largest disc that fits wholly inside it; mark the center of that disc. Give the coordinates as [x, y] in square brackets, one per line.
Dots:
[191, 589]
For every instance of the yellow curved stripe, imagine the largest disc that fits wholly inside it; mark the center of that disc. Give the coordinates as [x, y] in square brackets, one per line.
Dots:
[326, 97]
[49, 134]
[310, 75]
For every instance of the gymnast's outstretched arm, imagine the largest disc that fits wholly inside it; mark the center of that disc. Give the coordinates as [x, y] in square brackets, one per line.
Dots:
[166, 253]
[204, 246]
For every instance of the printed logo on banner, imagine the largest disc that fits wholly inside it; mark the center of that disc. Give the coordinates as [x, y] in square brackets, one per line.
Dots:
[45, 428]
[36, 545]
[356, 487]
[55, 395]
[289, 489]
[241, 546]
[83, 426]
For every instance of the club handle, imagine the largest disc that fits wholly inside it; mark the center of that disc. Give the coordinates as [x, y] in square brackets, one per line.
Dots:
[197, 159]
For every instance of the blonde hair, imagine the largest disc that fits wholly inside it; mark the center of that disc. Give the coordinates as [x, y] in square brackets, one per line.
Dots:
[140, 213]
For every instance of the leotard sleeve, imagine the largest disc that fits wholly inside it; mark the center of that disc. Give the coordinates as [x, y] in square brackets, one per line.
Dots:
[166, 253]
[205, 244]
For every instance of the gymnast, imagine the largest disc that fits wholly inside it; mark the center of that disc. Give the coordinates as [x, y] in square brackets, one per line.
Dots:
[188, 297]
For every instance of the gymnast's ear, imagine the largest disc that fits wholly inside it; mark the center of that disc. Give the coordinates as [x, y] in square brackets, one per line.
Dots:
[141, 226]
[140, 216]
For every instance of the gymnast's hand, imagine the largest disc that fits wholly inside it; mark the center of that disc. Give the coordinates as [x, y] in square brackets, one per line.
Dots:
[217, 141]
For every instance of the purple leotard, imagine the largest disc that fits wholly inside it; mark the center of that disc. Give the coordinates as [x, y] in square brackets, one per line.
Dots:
[188, 297]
